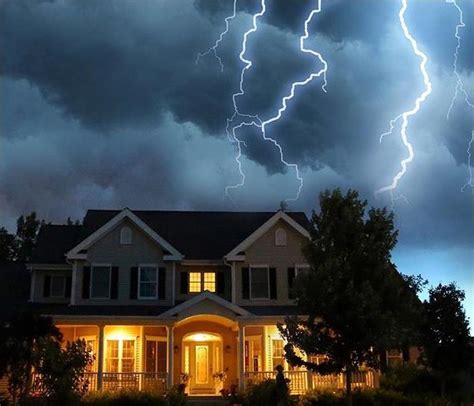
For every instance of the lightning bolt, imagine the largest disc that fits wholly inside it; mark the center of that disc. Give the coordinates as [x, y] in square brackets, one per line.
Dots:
[213, 49]
[262, 124]
[407, 114]
[459, 88]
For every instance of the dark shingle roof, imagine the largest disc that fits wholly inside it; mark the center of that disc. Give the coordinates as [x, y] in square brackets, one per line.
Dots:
[196, 234]
[54, 241]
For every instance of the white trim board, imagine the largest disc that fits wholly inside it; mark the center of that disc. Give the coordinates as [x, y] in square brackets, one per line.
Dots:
[279, 215]
[74, 253]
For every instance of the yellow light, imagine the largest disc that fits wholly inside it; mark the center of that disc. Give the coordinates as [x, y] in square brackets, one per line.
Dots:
[201, 337]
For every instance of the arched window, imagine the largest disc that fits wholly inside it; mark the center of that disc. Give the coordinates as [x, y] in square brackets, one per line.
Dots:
[126, 235]
[280, 237]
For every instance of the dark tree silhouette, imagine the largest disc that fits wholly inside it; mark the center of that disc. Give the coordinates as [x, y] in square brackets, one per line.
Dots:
[446, 347]
[27, 230]
[356, 302]
[7, 246]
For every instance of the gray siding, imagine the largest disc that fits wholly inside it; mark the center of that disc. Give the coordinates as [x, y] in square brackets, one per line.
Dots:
[39, 276]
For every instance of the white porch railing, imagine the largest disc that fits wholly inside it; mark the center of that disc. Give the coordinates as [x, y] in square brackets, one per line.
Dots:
[302, 381]
[111, 381]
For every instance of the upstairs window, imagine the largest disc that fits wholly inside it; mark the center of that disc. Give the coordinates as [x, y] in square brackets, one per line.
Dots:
[148, 282]
[280, 237]
[259, 283]
[100, 282]
[125, 236]
[201, 281]
[58, 286]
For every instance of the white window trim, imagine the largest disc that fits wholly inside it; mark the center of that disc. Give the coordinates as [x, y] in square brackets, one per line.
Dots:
[120, 350]
[63, 295]
[131, 235]
[202, 282]
[268, 282]
[140, 297]
[94, 265]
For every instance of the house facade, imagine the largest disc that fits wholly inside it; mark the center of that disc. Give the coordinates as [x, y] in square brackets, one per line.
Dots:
[163, 298]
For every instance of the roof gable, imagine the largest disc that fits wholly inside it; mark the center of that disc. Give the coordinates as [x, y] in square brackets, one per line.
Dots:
[247, 242]
[75, 253]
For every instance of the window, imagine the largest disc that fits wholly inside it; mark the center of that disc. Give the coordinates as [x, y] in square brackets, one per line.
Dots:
[155, 355]
[259, 283]
[148, 282]
[120, 356]
[100, 282]
[394, 358]
[125, 236]
[253, 354]
[58, 286]
[277, 354]
[200, 281]
[280, 237]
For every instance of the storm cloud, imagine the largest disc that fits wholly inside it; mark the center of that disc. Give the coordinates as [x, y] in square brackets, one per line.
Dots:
[104, 106]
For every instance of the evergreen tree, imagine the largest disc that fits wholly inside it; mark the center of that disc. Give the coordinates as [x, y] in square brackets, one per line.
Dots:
[27, 230]
[7, 246]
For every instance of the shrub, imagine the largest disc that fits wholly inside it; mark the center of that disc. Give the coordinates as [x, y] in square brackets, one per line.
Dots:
[125, 398]
[409, 379]
[265, 393]
[321, 398]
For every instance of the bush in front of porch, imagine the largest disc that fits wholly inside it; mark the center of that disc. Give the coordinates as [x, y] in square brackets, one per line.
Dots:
[134, 398]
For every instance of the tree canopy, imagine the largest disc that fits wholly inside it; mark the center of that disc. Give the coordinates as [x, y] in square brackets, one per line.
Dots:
[356, 302]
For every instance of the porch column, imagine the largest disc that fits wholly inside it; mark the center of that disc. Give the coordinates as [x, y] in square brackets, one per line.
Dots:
[100, 356]
[169, 355]
[241, 356]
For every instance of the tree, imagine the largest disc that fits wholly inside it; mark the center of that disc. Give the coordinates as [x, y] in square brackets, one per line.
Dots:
[26, 232]
[62, 370]
[20, 342]
[356, 302]
[7, 246]
[446, 347]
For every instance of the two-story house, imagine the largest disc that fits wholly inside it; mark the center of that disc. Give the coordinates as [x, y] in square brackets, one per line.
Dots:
[163, 297]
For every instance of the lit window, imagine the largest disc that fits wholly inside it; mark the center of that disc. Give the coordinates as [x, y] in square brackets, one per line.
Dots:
[280, 237]
[200, 281]
[259, 283]
[58, 286]
[194, 282]
[100, 282]
[277, 354]
[394, 358]
[126, 235]
[147, 282]
[120, 356]
[210, 281]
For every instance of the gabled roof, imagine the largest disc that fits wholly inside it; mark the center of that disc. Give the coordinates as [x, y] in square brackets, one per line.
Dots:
[279, 215]
[198, 235]
[75, 252]
[174, 311]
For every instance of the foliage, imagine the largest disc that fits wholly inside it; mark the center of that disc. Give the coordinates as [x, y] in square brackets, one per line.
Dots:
[62, 370]
[356, 301]
[176, 397]
[20, 342]
[126, 398]
[7, 246]
[27, 228]
[447, 349]
[265, 393]
[409, 379]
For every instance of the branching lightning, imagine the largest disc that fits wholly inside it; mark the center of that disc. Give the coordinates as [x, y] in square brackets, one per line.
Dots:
[255, 120]
[407, 114]
[213, 49]
[460, 89]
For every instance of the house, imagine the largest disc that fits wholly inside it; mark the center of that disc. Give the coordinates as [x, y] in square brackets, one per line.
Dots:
[163, 297]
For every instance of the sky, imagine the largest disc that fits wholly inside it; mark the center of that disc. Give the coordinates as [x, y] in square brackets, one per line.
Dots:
[103, 105]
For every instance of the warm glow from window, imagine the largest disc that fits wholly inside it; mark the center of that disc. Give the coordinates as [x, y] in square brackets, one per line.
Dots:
[195, 282]
[210, 281]
[202, 337]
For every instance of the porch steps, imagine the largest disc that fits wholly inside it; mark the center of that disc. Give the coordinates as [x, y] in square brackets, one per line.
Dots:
[205, 401]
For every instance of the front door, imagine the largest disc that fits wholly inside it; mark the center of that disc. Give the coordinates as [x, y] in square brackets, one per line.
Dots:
[201, 380]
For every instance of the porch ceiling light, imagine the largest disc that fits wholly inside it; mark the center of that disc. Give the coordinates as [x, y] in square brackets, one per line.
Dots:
[200, 337]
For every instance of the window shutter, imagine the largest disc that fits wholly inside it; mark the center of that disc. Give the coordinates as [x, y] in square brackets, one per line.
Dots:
[86, 281]
[162, 283]
[291, 279]
[133, 282]
[68, 286]
[245, 283]
[273, 283]
[47, 286]
[220, 280]
[114, 282]
[184, 282]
